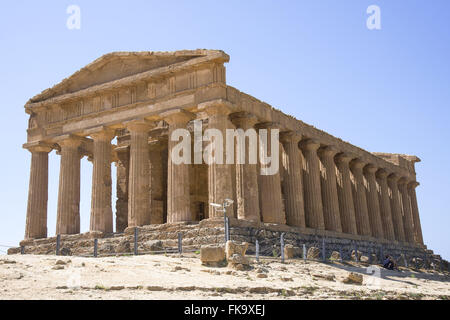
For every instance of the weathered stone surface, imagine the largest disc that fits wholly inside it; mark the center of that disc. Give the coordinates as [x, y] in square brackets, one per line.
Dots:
[335, 256]
[313, 253]
[353, 278]
[123, 246]
[238, 259]
[289, 251]
[233, 247]
[212, 255]
[153, 245]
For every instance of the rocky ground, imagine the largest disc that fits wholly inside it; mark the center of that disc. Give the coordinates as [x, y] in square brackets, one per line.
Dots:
[183, 277]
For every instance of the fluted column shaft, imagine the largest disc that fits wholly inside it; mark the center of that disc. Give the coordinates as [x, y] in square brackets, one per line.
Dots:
[293, 180]
[330, 198]
[123, 177]
[220, 180]
[415, 212]
[138, 192]
[311, 185]
[385, 205]
[396, 208]
[270, 198]
[36, 221]
[247, 189]
[407, 215]
[68, 216]
[178, 183]
[344, 188]
[359, 197]
[373, 203]
[101, 211]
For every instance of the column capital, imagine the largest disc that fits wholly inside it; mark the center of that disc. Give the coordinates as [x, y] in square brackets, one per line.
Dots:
[217, 107]
[328, 151]
[344, 157]
[357, 163]
[177, 116]
[402, 181]
[268, 125]
[38, 147]
[139, 125]
[382, 173]
[244, 120]
[290, 136]
[69, 141]
[309, 144]
[413, 184]
[370, 168]
[102, 133]
[393, 177]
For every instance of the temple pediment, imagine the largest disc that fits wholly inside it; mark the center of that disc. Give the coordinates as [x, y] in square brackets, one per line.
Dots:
[118, 65]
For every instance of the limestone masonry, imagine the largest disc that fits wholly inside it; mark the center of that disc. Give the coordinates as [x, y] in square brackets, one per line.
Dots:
[325, 186]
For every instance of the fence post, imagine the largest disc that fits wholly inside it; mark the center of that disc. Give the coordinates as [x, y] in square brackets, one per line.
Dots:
[257, 251]
[282, 247]
[304, 252]
[22, 249]
[58, 244]
[227, 228]
[180, 242]
[406, 260]
[135, 241]
[324, 253]
[95, 247]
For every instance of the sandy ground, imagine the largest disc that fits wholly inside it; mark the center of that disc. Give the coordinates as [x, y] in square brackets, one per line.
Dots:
[183, 277]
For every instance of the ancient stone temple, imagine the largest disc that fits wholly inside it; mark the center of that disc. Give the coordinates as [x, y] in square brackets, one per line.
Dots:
[325, 186]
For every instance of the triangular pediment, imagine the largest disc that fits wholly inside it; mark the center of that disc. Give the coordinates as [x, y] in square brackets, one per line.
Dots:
[118, 65]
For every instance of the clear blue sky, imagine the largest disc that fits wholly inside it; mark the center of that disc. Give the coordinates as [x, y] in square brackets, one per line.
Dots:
[384, 90]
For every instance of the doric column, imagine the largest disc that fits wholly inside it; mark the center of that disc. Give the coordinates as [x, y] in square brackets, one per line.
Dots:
[36, 223]
[138, 191]
[101, 212]
[270, 199]
[178, 185]
[330, 198]
[396, 208]
[219, 172]
[373, 202]
[293, 180]
[344, 188]
[359, 197]
[415, 211]
[385, 205]
[311, 184]
[407, 216]
[123, 177]
[68, 216]
[247, 190]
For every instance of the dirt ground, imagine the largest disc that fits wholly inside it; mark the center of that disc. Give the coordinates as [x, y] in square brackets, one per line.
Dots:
[183, 277]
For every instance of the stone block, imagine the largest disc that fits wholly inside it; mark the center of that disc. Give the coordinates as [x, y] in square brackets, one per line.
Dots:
[212, 255]
[313, 253]
[233, 247]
